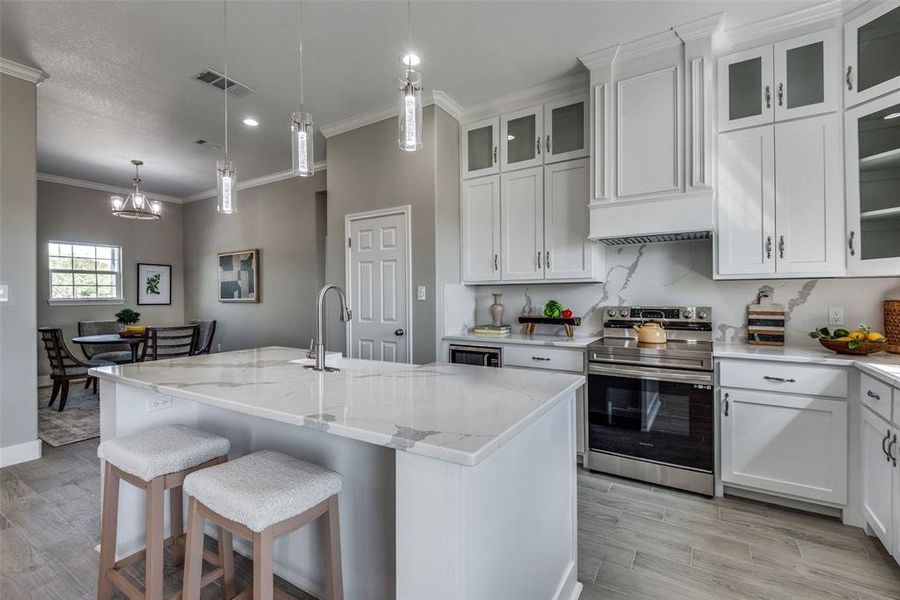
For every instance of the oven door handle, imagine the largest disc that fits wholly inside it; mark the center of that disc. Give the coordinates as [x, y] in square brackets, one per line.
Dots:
[617, 371]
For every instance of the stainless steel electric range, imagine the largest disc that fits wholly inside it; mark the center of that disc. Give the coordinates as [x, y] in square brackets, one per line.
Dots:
[651, 406]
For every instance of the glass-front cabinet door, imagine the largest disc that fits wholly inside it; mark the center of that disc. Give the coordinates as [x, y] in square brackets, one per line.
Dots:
[872, 138]
[565, 129]
[801, 87]
[872, 53]
[480, 148]
[745, 89]
[522, 135]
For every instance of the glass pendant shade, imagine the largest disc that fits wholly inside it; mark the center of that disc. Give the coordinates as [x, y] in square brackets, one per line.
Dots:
[226, 187]
[302, 158]
[135, 205]
[117, 202]
[410, 120]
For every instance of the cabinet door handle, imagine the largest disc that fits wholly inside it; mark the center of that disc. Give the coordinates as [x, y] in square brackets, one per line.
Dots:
[779, 379]
[768, 246]
[847, 78]
[872, 394]
[547, 259]
[537, 144]
[768, 97]
[548, 143]
[891, 452]
[887, 436]
[725, 404]
[780, 94]
[850, 243]
[539, 259]
[781, 246]
[495, 262]
[542, 358]
[495, 154]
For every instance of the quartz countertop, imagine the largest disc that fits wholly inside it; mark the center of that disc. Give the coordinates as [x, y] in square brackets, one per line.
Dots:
[456, 413]
[578, 341]
[881, 364]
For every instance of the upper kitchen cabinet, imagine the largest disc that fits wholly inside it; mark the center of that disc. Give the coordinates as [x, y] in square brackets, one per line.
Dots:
[480, 228]
[566, 131]
[872, 154]
[872, 54]
[568, 253]
[522, 134]
[787, 80]
[480, 148]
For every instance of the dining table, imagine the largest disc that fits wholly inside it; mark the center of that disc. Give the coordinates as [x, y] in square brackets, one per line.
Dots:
[134, 343]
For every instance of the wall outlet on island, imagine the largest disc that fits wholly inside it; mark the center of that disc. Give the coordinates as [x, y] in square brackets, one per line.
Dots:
[159, 403]
[835, 315]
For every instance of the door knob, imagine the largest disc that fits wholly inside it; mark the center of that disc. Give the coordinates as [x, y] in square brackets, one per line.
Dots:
[399, 332]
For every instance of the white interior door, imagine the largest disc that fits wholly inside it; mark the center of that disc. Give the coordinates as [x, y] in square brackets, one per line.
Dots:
[378, 283]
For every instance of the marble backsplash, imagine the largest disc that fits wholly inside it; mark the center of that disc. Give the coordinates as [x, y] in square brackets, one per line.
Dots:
[680, 273]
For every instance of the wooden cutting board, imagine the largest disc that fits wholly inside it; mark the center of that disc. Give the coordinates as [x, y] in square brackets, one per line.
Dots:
[765, 322]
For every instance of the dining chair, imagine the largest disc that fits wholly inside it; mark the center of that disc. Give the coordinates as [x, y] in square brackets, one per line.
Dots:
[205, 334]
[170, 342]
[64, 366]
[117, 353]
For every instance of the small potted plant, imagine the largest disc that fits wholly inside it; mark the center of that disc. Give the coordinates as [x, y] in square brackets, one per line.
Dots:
[127, 318]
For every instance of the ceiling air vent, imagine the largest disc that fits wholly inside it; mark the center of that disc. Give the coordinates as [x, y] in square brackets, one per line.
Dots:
[658, 237]
[235, 88]
[209, 144]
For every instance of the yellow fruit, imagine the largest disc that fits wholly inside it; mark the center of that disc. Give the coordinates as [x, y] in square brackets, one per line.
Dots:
[846, 338]
[856, 334]
[874, 336]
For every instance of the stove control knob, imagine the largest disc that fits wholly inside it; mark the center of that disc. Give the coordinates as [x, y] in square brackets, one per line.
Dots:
[701, 314]
[623, 313]
[611, 312]
[687, 313]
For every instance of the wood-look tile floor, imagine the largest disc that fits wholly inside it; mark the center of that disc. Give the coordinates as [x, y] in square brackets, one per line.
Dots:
[635, 542]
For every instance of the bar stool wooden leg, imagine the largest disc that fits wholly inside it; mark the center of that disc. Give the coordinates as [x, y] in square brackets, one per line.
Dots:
[334, 586]
[263, 574]
[176, 524]
[108, 526]
[226, 560]
[193, 550]
[153, 576]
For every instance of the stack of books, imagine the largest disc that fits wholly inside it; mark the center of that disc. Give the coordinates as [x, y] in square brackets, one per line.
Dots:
[498, 330]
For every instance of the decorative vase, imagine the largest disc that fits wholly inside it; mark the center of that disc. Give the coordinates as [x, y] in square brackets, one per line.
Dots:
[497, 310]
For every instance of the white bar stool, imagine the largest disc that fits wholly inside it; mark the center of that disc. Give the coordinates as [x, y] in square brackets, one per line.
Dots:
[155, 460]
[261, 497]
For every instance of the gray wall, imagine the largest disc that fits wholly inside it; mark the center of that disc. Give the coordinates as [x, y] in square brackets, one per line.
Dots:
[367, 171]
[447, 226]
[18, 338]
[74, 214]
[284, 220]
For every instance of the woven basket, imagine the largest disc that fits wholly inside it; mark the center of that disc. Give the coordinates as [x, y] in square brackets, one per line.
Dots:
[863, 348]
[892, 325]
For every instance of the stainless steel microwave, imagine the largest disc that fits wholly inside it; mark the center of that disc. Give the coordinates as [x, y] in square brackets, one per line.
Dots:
[483, 356]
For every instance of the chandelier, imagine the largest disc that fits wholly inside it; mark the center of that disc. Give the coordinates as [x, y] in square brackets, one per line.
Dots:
[136, 205]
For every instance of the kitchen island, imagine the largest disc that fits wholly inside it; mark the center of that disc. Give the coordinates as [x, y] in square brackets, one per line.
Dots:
[459, 481]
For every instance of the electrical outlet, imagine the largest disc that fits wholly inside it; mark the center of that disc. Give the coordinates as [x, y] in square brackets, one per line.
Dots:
[159, 403]
[218, 347]
[835, 315]
[420, 293]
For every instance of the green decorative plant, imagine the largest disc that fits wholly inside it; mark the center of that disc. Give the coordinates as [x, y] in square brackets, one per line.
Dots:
[553, 309]
[126, 316]
[153, 284]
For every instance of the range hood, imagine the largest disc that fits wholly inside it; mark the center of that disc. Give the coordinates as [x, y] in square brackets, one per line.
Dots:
[674, 218]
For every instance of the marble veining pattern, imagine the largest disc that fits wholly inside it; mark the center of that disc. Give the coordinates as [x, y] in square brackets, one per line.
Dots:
[451, 412]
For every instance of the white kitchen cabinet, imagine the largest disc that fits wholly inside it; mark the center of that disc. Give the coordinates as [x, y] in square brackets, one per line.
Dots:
[522, 137]
[566, 133]
[872, 154]
[872, 53]
[878, 475]
[791, 445]
[522, 225]
[480, 216]
[745, 89]
[480, 148]
[568, 253]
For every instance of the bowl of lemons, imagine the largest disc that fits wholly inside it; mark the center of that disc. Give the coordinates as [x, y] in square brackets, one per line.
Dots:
[858, 341]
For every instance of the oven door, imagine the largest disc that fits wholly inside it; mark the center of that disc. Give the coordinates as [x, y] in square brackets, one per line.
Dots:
[657, 415]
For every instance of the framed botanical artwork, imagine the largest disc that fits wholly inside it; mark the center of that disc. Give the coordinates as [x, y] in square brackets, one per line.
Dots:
[239, 276]
[154, 284]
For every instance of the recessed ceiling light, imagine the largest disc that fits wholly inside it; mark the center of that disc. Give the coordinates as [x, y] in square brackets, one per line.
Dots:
[410, 60]
[251, 122]
[893, 115]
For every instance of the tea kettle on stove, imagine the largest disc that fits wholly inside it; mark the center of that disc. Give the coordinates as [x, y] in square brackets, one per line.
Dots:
[650, 332]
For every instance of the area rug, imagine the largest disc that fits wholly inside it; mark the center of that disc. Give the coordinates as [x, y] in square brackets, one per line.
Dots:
[79, 421]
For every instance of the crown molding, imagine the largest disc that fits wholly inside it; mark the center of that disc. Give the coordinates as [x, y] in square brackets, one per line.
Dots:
[664, 40]
[35, 76]
[698, 28]
[599, 58]
[102, 187]
[767, 28]
[255, 182]
[447, 103]
[539, 94]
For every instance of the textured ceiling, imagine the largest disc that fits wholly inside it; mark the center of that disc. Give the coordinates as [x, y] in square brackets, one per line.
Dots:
[120, 72]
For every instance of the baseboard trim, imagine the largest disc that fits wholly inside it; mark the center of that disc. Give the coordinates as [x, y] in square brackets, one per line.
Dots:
[24, 452]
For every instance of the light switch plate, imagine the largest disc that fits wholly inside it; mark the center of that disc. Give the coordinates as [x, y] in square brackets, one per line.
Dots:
[4, 292]
[835, 315]
[420, 292]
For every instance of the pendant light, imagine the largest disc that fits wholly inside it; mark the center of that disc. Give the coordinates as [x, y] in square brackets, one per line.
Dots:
[302, 159]
[409, 122]
[136, 205]
[226, 174]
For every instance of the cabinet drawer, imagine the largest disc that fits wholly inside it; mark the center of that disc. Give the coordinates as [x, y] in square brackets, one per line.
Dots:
[540, 357]
[792, 378]
[876, 395]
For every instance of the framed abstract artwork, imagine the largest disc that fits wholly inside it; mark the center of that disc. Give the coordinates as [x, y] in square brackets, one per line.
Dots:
[239, 276]
[154, 284]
